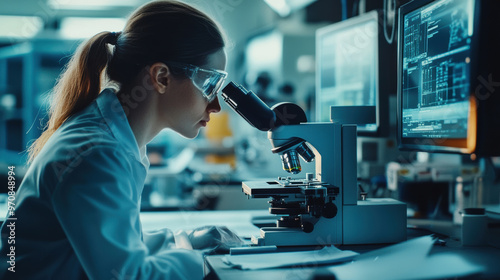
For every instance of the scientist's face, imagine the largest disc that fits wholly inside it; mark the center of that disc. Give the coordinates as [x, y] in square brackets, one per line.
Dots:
[187, 109]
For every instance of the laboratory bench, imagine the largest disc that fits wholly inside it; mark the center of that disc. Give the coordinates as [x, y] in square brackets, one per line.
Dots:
[243, 223]
[448, 241]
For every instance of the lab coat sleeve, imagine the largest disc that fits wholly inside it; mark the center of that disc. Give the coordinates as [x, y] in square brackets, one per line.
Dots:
[164, 239]
[158, 240]
[96, 202]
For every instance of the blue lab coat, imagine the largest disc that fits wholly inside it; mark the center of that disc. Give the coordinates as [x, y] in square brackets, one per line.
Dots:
[77, 208]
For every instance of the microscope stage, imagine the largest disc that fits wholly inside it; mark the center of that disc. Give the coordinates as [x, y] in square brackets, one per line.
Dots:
[268, 188]
[282, 186]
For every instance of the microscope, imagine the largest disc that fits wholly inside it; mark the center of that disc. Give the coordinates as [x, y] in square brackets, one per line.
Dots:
[322, 208]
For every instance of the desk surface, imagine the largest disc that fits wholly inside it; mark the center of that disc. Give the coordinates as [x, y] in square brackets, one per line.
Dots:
[487, 256]
[241, 223]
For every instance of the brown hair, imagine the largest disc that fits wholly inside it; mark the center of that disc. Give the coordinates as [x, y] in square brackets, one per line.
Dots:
[158, 31]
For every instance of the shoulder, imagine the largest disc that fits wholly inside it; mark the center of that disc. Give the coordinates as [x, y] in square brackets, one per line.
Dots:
[82, 160]
[74, 141]
[85, 145]
[81, 152]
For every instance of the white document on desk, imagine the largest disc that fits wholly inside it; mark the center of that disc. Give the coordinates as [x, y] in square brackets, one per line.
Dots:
[327, 255]
[406, 260]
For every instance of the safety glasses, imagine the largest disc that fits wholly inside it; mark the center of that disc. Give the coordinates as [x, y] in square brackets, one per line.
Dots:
[209, 82]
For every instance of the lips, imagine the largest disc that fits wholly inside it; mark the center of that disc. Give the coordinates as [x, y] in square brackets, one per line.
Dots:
[204, 122]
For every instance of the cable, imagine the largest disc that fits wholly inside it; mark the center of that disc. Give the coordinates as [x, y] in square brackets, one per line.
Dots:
[344, 9]
[355, 8]
[392, 8]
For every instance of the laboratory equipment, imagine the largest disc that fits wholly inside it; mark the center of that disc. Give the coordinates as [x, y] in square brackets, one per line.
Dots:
[474, 227]
[448, 77]
[322, 208]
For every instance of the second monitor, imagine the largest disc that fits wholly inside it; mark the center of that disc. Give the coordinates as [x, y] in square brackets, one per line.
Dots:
[356, 67]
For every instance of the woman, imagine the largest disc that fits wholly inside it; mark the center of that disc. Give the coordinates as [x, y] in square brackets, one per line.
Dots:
[77, 208]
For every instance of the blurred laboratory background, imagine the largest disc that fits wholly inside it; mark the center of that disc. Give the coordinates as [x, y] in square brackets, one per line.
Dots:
[272, 50]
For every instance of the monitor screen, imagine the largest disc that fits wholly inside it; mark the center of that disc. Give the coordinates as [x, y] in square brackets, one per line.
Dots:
[348, 56]
[436, 70]
[347, 64]
[448, 73]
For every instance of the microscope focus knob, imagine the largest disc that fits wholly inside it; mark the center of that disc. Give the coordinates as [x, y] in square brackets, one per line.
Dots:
[307, 227]
[330, 210]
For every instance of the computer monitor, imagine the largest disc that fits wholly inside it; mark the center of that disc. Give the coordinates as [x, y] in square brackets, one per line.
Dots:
[356, 67]
[448, 68]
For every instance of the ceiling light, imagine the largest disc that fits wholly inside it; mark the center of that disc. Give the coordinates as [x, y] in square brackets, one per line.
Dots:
[91, 4]
[20, 26]
[286, 7]
[77, 28]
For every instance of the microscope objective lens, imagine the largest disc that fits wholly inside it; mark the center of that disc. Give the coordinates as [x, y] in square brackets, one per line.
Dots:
[291, 162]
[305, 152]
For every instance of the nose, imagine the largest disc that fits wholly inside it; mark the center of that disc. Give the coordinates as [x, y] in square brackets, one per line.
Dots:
[214, 106]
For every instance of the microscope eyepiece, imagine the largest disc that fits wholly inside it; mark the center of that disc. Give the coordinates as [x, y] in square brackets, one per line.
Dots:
[249, 106]
[258, 114]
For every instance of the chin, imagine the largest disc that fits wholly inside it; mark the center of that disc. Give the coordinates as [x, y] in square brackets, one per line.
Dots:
[189, 134]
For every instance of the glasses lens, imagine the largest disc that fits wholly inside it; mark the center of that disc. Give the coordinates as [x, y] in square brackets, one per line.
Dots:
[209, 82]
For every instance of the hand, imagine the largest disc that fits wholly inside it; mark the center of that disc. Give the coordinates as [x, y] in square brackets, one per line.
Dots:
[214, 239]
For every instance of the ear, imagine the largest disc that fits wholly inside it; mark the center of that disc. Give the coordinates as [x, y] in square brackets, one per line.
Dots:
[160, 76]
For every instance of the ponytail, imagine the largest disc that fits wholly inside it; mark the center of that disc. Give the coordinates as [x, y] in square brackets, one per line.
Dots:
[78, 86]
[165, 30]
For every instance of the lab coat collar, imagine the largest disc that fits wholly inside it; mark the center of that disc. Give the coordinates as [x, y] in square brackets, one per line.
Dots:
[115, 118]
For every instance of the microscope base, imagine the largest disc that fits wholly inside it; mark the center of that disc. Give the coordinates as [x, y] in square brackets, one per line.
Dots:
[288, 237]
[376, 220]
[371, 221]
